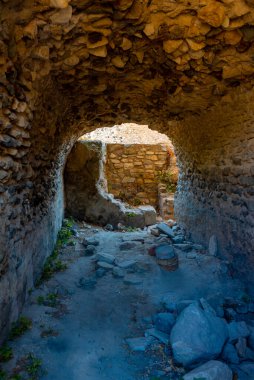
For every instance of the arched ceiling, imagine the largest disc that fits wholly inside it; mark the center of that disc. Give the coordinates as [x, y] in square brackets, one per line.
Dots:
[166, 56]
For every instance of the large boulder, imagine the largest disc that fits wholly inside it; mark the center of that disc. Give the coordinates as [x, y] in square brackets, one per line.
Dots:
[212, 370]
[198, 335]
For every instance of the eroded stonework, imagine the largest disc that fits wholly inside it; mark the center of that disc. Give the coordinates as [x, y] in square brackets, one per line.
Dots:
[185, 68]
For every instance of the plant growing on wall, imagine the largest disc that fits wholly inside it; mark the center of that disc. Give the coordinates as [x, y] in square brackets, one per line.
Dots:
[168, 178]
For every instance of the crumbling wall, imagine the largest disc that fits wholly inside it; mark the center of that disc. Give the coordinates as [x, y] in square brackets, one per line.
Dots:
[86, 196]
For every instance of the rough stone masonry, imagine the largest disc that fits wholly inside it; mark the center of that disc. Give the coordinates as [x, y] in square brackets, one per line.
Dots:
[67, 67]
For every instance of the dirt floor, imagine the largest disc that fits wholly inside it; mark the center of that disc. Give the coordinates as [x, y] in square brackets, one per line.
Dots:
[82, 316]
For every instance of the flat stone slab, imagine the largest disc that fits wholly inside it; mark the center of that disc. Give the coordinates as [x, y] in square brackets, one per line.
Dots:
[106, 257]
[139, 344]
[103, 264]
[126, 264]
[166, 229]
[161, 336]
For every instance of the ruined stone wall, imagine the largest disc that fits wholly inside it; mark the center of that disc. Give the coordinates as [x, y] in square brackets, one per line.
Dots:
[132, 171]
[86, 196]
[216, 182]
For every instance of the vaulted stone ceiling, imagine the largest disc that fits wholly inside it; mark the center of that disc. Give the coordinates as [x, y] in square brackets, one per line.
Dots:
[158, 55]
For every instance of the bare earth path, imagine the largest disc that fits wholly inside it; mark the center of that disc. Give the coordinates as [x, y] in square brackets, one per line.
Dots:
[82, 337]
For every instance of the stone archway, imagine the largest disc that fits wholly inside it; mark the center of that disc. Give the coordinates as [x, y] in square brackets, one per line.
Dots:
[67, 67]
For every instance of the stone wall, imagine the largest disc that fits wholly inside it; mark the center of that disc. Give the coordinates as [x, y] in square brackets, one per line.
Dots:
[86, 196]
[132, 171]
[216, 182]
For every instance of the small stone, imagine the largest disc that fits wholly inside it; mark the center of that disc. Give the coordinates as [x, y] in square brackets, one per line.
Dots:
[155, 232]
[164, 252]
[237, 330]
[164, 322]
[90, 250]
[178, 239]
[165, 229]
[241, 347]
[59, 3]
[62, 16]
[183, 247]
[161, 336]
[109, 227]
[242, 308]
[212, 370]
[126, 264]
[139, 344]
[191, 255]
[106, 257]
[92, 241]
[118, 272]
[249, 354]
[100, 272]
[213, 246]
[248, 369]
[229, 354]
[103, 264]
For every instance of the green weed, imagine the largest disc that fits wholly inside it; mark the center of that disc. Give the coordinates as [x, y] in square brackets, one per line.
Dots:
[167, 177]
[33, 366]
[50, 300]
[5, 353]
[130, 214]
[20, 327]
[3, 375]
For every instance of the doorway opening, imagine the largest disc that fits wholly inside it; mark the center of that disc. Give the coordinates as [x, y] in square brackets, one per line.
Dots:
[126, 167]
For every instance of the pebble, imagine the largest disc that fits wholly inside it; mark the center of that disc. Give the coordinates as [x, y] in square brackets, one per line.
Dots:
[90, 250]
